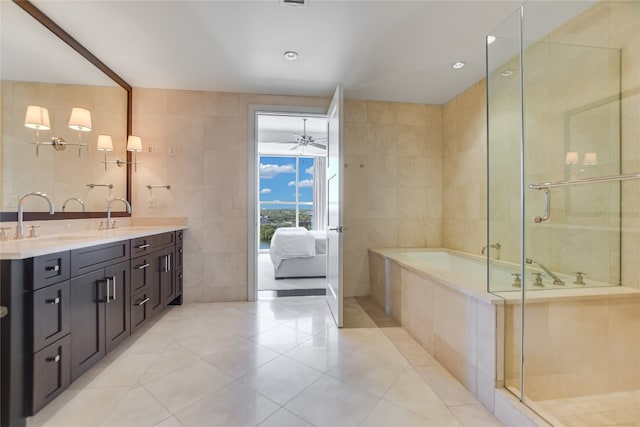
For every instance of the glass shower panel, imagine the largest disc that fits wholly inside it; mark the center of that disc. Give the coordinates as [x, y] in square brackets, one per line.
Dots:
[571, 120]
[504, 182]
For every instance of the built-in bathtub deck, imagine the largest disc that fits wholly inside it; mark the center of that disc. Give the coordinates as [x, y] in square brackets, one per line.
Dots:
[475, 334]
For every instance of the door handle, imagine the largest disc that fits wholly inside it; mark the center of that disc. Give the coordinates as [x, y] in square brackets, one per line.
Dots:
[339, 229]
[114, 288]
[108, 296]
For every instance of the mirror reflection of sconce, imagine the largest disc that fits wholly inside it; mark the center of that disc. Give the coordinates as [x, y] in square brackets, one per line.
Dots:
[134, 144]
[38, 118]
[589, 159]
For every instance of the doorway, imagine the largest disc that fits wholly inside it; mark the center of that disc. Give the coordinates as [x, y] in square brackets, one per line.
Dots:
[289, 202]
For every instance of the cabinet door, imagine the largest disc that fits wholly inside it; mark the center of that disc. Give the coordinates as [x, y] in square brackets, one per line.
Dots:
[50, 372]
[167, 276]
[117, 304]
[88, 295]
[50, 314]
[155, 283]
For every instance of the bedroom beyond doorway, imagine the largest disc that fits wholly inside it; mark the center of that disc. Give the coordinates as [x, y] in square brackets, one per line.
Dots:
[290, 197]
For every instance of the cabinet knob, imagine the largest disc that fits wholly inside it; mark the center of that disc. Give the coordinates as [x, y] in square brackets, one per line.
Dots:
[52, 268]
[56, 300]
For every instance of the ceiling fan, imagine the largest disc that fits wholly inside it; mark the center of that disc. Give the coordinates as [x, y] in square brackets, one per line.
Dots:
[303, 139]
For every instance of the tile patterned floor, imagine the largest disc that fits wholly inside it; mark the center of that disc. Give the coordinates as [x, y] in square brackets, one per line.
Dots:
[279, 362]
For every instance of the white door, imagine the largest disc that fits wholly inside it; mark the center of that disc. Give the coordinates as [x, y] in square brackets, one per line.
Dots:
[334, 206]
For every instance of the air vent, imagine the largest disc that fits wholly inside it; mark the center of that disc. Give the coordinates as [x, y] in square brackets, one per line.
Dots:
[293, 2]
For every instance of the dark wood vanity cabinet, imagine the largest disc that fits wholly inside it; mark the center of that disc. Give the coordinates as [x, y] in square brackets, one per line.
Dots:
[99, 315]
[67, 310]
[153, 276]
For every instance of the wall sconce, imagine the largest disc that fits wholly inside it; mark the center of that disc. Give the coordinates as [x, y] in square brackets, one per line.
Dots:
[134, 144]
[571, 158]
[105, 144]
[590, 159]
[38, 118]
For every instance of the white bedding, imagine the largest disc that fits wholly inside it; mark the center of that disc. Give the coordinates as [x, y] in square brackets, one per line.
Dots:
[291, 242]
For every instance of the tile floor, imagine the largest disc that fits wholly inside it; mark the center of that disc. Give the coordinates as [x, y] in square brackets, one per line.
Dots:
[279, 362]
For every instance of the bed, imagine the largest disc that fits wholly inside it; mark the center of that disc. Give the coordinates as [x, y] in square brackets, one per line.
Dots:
[298, 252]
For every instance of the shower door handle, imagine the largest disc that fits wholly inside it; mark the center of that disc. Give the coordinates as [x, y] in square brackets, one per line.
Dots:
[547, 206]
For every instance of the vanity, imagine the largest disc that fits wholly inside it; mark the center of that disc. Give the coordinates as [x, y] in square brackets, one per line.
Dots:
[72, 299]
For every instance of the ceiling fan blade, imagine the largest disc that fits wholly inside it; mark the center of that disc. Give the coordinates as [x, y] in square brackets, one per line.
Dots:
[315, 144]
[280, 142]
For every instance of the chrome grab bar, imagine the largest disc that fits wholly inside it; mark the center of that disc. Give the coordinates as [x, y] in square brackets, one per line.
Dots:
[547, 194]
[547, 206]
[611, 178]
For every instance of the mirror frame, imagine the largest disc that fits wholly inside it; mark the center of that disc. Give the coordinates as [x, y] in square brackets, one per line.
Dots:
[43, 19]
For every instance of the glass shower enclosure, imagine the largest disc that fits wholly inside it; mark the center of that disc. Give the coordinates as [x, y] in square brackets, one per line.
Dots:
[563, 204]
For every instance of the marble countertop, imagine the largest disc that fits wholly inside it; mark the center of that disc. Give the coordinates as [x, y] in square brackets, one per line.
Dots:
[46, 244]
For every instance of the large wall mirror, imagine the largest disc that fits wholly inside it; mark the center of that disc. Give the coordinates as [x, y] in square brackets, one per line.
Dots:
[53, 92]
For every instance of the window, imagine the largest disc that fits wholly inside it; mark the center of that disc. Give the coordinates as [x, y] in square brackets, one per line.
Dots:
[286, 194]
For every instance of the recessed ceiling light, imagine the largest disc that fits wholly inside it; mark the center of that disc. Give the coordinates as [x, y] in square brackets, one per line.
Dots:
[291, 55]
[507, 73]
[457, 65]
[491, 39]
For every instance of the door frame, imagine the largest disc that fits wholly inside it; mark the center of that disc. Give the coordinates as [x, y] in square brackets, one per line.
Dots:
[253, 185]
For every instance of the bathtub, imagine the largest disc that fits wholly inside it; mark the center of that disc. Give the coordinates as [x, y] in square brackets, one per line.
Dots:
[470, 271]
[440, 298]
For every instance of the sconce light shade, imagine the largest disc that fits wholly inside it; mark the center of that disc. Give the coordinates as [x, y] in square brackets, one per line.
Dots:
[105, 143]
[80, 120]
[590, 159]
[37, 118]
[134, 143]
[571, 158]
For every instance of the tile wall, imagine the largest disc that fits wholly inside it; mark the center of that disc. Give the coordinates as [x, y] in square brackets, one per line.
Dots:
[393, 182]
[207, 172]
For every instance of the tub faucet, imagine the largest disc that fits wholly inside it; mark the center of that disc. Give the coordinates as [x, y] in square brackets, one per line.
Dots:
[20, 228]
[109, 210]
[496, 246]
[556, 280]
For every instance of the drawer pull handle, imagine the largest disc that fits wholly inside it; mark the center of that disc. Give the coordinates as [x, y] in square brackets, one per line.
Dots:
[142, 267]
[56, 300]
[143, 302]
[55, 359]
[144, 246]
[52, 268]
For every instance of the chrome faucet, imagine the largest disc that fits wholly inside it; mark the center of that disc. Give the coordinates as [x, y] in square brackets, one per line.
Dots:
[109, 209]
[496, 246]
[20, 228]
[64, 205]
[556, 280]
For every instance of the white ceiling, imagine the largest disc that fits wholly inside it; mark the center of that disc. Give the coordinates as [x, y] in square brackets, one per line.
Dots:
[378, 50]
[277, 134]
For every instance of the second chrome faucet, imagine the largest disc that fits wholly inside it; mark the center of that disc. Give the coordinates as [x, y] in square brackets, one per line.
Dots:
[111, 225]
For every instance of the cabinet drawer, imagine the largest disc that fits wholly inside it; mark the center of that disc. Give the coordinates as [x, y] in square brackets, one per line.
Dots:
[139, 310]
[141, 272]
[151, 243]
[49, 269]
[179, 252]
[51, 372]
[92, 258]
[50, 314]
[179, 281]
